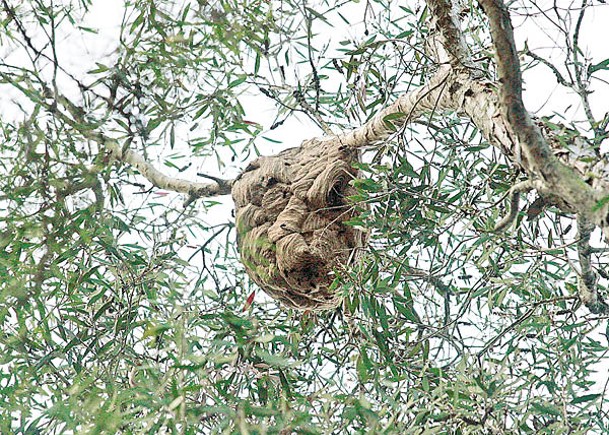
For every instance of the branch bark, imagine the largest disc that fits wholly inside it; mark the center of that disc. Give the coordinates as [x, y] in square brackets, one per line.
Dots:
[193, 189]
[537, 157]
[163, 181]
[411, 105]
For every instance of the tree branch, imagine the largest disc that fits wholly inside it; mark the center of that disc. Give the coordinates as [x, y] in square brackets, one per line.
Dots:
[162, 181]
[514, 194]
[539, 156]
[559, 77]
[446, 38]
[157, 178]
[410, 106]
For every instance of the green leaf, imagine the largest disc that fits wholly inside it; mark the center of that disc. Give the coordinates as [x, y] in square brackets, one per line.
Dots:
[585, 398]
[602, 65]
[546, 408]
[237, 81]
[275, 360]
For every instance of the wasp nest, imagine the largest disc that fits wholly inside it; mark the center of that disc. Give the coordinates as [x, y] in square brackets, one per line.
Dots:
[291, 210]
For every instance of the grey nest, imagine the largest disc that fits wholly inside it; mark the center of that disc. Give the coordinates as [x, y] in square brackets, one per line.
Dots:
[291, 213]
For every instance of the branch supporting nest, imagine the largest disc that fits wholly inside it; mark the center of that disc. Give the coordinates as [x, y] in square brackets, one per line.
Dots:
[291, 217]
[156, 177]
[194, 190]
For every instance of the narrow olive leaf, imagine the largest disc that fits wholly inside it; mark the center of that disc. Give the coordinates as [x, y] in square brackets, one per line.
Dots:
[598, 66]
[392, 116]
[237, 81]
[585, 398]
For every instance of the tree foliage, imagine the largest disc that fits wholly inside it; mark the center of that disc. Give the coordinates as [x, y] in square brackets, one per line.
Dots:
[124, 307]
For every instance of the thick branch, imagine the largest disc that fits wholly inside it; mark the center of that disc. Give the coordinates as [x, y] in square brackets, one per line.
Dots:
[502, 117]
[587, 280]
[411, 106]
[537, 157]
[538, 154]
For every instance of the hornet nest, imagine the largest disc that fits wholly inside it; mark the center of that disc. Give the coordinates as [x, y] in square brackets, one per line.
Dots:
[291, 213]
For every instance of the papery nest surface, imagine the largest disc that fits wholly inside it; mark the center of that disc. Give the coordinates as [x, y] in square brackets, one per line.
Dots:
[291, 213]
